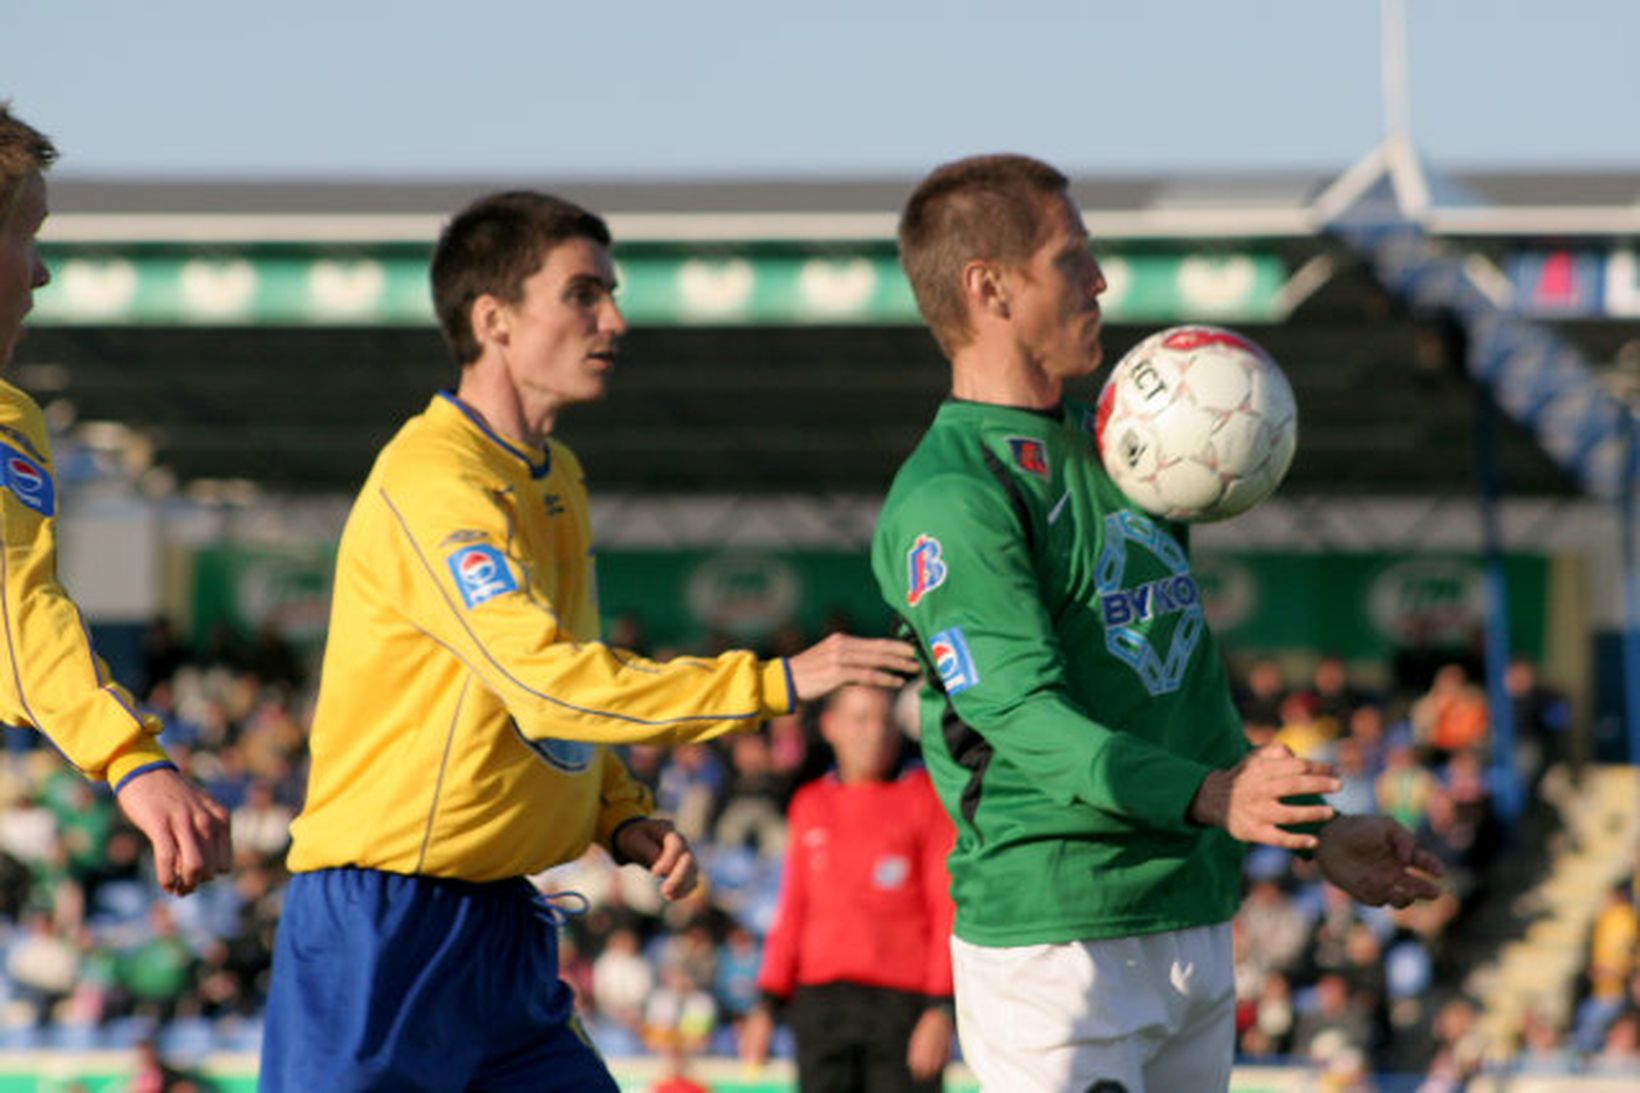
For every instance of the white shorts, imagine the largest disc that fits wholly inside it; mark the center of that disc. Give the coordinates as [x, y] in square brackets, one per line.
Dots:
[1149, 1014]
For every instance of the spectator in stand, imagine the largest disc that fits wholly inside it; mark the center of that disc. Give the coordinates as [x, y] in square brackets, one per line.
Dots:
[1332, 695]
[1274, 929]
[42, 965]
[1358, 794]
[1270, 1029]
[1451, 715]
[1543, 718]
[737, 964]
[1619, 1053]
[1457, 1047]
[678, 1014]
[1302, 732]
[1332, 1009]
[1367, 729]
[1543, 1049]
[752, 813]
[1612, 958]
[1405, 787]
[622, 980]
[1467, 783]
[262, 824]
[156, 973]
[859, 957]
[1260, 701]
[692, 784]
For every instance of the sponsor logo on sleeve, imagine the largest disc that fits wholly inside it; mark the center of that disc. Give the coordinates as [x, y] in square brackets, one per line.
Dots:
[925, 569]
[953, 663]
[481, 574]
[1030, 455]
[456, 538]
[27, 480]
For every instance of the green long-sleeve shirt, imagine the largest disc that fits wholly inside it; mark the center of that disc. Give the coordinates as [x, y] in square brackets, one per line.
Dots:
[1079, 698]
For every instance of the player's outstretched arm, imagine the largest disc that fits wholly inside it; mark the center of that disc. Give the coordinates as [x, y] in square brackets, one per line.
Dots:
[188, 830]
[657, 846]
[842, 659]
[1376, 861]
[1248, 800]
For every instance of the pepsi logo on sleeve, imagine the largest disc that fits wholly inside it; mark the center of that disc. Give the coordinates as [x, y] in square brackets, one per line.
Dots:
[953, 662]
[27, 480]
[481, 574]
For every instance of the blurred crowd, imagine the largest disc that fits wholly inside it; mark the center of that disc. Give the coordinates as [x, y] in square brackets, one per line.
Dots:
[95, 956]
[1357, 990]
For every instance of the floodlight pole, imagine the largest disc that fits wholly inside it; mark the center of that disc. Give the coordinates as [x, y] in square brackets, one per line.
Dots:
[1506, 781]
[1393, 71]
[1631, 582]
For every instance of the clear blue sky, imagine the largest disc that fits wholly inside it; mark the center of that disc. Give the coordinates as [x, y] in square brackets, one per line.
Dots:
[764, 87]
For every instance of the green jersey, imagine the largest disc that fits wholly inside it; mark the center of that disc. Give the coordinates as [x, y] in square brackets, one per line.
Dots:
[1076, 698]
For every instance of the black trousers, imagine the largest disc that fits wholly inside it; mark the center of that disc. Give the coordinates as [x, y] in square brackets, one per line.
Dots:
[853, 1039]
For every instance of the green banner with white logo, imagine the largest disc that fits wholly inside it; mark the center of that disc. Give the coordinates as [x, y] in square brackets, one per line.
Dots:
[1360, 606]
[1366, 605]
[661, 285]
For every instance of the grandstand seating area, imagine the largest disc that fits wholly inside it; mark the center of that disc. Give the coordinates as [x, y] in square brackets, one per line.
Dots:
[94, 960]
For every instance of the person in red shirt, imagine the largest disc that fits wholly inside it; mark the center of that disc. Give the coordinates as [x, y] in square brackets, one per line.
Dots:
[859, 960]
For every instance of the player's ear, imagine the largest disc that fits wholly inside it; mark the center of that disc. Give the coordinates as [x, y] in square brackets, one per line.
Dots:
[491, 320]
[985, 289]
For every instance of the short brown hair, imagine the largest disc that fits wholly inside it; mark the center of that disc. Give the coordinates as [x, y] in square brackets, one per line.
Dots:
[24, 151]
[491, 248]
[987, 207]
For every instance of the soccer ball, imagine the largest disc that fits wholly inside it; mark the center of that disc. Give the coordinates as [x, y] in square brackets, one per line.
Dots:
[1196, 423]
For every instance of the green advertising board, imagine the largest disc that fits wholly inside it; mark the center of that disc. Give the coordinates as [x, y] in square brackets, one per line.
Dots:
[1360, 606]
[661, 285]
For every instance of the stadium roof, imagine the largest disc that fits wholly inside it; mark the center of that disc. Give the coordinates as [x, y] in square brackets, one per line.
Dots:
[780, 396]
[1600, 202]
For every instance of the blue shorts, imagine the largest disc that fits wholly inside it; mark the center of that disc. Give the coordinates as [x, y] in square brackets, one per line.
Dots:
[388, 982]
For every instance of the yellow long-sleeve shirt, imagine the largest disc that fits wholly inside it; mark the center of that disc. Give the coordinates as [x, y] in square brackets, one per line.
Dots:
[466, 707]
[52, 679]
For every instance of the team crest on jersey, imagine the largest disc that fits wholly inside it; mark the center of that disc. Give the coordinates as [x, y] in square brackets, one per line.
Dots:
[27, 480]
[481, 574]
[565, 756]
[1030, 455]
[953, 662]
[1128, 610]
[925, 569]
[890, 872]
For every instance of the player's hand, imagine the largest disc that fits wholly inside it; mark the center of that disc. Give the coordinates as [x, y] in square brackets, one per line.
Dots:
[1246, 800]
[1376, 861]
[188, 830]
[842, 659]
[930, 1046]
[656, 845]
[756, 1032]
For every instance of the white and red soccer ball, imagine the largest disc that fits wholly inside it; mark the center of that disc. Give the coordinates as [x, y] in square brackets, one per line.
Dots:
[1197, 423]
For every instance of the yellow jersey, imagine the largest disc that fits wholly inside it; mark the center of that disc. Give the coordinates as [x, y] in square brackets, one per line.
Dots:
[52, 679]
[466, 708]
